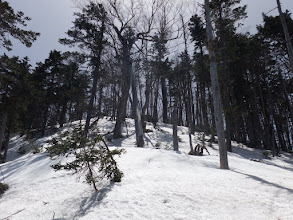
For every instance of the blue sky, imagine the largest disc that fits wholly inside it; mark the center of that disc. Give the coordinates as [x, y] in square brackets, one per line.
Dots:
[52, 18]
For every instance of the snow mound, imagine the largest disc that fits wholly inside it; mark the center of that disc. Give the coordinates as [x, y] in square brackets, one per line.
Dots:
[157, 183]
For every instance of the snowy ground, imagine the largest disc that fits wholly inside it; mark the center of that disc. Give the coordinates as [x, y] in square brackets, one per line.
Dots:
[158, 184]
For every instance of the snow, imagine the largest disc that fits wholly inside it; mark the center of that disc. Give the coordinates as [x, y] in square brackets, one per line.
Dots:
[157, 183]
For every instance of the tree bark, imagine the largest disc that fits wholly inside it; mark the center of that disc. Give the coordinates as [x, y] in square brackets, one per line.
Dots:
[100, 114]
[175, 124]
[62, 118]
[155, 106]
[204, 108]
[287, 97]
[2, 128]
[126, 81]
[146, 104]
[7, 137]
[45, 119]
[136, 111]
[164, 100]
[287, 36]
[216, 91]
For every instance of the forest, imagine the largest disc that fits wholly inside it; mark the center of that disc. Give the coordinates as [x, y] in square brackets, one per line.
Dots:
[148, 61]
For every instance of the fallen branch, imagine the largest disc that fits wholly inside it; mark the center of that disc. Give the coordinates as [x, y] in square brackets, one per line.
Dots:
[7, 218]
[198, 150]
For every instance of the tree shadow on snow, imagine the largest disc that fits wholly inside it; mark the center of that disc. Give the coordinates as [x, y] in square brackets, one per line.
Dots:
[264, 181]
[159, 138]
[247, 153]
[148, 140]
[257, 154]
[119, 141]
[8, 169]
[92, 201]
[279, 166]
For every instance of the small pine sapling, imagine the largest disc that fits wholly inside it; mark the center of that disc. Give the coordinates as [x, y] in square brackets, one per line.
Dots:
[90, 153]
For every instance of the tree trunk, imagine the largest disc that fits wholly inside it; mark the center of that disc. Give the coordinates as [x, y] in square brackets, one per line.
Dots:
[91, 103]
[216, 91]
[62, 118]
[287, 36]
[197, 111]
[2, 128]
[45, 119]
[100, 114]
[188, 116]
[144, 113]
[271, 126]
[287, 97]
[136, 111]
[155, 111]
[175, 124]
[122, 108]
[164, 100]
[212, 112]
[204, 108]
[126, 81]
[228, 120]
[114, 101]
[96, 73]
[7, 137]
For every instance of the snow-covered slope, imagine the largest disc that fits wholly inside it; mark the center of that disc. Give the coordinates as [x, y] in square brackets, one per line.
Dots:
[158, 184]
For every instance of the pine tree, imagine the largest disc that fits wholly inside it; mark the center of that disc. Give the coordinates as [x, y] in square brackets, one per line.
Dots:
[202, 75]
[15, 84]
[275, 80]
[9, 26]
[60, 90]
[90, 155]
[88, 33]
[160, 71]
[226, 14]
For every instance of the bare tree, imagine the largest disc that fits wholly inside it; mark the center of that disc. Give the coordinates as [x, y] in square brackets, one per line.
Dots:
[216, 91]
[133, 23]
[125, 28]
[129, 22]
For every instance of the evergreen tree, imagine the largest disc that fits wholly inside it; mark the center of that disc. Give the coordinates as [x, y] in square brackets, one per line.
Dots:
[59, 91]
[226, 14]
[277, 115]
[90, 154]
[159, 69]
[15, 84]
[88, 33]
[9, 26]
[202, 75]
[51, 79]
